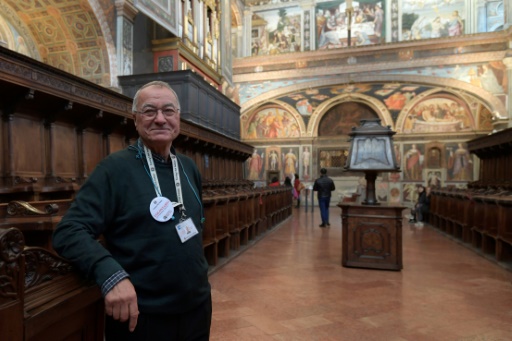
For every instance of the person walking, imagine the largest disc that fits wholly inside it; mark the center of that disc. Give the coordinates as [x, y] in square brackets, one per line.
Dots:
[146, 202]
[324, 186]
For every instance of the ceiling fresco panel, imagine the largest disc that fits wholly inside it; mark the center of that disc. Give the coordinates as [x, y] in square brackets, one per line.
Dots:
[65, 34]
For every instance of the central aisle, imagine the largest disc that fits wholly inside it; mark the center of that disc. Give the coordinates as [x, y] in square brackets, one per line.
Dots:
[291, 286]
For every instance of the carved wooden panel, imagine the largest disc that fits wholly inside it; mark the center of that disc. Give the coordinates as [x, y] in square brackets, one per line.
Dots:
[372, 236]
[64, 154]
[28, 147]
[93, 150]
[11, 284]
[116, 142]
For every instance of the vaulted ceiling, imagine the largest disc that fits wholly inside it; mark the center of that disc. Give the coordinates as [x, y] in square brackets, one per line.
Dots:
[72, 35]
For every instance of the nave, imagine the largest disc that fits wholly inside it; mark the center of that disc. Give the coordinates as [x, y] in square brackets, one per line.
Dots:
[291, 286]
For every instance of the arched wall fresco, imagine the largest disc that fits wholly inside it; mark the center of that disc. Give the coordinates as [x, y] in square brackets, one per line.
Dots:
[432, 151]
[273, 121]
[437, 111]
[486, 98]
[371, 102]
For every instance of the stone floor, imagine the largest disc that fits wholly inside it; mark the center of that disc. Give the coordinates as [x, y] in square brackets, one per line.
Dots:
[290, 285]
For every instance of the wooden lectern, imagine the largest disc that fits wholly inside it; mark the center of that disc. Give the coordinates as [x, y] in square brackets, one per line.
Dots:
[371, 232]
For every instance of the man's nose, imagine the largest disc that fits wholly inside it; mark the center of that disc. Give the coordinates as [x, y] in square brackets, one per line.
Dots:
[160, 117]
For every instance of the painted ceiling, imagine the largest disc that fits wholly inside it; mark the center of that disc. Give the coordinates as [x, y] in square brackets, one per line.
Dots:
[65, 34]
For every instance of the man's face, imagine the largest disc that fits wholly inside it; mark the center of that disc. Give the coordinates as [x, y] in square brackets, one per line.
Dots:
[158, 131]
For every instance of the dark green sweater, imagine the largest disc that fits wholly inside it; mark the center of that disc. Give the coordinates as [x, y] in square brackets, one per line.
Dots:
[169, 276]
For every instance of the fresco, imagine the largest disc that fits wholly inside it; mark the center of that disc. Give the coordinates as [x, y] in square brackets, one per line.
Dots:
[255, 166]
[381, 191]
[394, 95]
[460, 162]
[332, 24]
[290, 161]
[491, 76]
[439, 113]
[306, 162]
[475, 74]
[394, 193]
[435, 178]
[432, 19]
[410, 192]
[276, 31]
[413, 158]
[340, 119]
[272, 123]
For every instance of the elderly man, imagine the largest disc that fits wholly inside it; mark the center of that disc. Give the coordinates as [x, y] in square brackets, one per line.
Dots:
[145, 201]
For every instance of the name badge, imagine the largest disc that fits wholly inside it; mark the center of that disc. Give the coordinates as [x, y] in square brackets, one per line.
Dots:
[161, 209]
[186, 230]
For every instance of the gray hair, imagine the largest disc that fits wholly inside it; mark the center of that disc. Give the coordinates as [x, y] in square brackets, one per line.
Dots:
[153, 83]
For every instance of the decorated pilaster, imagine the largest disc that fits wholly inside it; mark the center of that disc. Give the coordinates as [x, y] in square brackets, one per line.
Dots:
[508, 13]
[124, 39]
[508, 63]
[308, 25]
[247, 33]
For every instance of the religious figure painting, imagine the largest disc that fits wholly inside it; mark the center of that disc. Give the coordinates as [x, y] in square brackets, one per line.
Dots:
[432, 19]
[273, 161]
[332, 22]
[255, 165]
[334, 160]
[272, 123]
[290, 160]
[340, 119]
[438, 114]
[434, 178]
[490, 76]
[398, 99]
[394, 193]
[460, 162]
[276, 31]
[410, 192]
[382, 191]
[306, 163]
[413, 162]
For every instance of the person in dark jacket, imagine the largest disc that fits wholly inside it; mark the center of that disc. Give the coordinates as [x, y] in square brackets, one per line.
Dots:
[146, 202]
[324, 186]
[422, 206]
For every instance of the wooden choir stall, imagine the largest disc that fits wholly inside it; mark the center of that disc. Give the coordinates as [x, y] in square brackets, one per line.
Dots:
[55, 128]
[480, 216]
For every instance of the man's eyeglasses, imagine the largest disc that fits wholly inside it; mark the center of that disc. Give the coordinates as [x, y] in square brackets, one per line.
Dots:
[151, 112]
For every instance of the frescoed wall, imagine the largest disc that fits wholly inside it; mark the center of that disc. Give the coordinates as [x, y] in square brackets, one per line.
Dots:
[439, 113]
[432, 19]
[432, 125]
[278, 27]
[276, 31]
[272, 123]
[332, 20]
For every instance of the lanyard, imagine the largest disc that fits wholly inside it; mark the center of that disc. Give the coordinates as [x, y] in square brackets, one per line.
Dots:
[154, 176]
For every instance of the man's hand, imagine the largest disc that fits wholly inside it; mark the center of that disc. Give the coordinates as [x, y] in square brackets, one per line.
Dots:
[121, 303]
